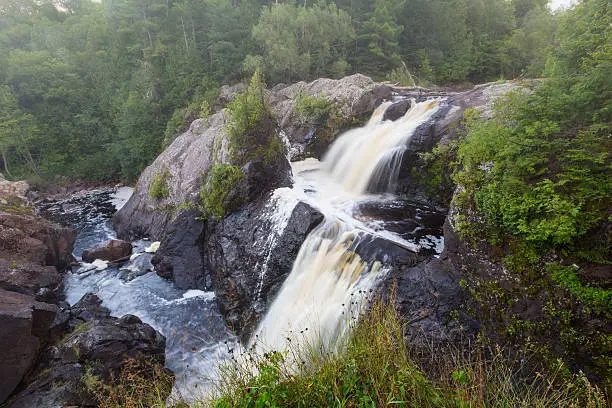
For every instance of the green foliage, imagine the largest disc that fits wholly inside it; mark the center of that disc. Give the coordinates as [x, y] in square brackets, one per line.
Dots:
[302, 42]
[98, 89]
[312, 109]
[536, 182]
[140, 384]
[374, 367]
[220, 181]
[248, 113]
[252, 128]
[598, 299]
[435, 170]
[159, 185]
[401, 76]
[15, 205]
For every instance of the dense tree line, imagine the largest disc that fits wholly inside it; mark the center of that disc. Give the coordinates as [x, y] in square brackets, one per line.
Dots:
[90, 89]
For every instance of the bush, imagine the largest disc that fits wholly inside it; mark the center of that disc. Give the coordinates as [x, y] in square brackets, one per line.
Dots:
[140, 384]
[374, 367]
[312, 109]
[249, 112]
[221, 179]
[159, 185]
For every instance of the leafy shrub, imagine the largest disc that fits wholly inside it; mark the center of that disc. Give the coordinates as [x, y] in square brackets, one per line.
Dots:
[596, 298]
[401, 76]
[312, 109]
[252, 128]
[249, 112]
[221, 179]
[159, 185]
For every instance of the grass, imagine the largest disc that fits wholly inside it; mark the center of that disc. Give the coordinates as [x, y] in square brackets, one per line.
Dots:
[373, 366]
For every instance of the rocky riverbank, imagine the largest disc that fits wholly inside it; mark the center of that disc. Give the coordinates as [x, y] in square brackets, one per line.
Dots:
[47, 347]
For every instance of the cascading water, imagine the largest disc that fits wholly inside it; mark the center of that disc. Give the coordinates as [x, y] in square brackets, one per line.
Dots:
[372, 155]
[320, 294]
[334, 266]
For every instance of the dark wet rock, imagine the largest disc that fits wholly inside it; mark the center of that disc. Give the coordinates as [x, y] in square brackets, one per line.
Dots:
[98, 345]
[29, 278]
[397, 109]
[179, 256]
[429, 298]
[24, 330]
[248, 260]
[112, 250]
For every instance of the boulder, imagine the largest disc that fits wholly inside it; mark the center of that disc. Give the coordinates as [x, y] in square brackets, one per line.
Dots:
[29, 278]
[112, 250]
[180, 255]
[98, 345]
[24, 329]
[12, 188]
[397, 109]
[26, 237]
[355, 97]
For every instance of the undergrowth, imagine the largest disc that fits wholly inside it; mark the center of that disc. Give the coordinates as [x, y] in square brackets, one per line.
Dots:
[372, 366]
[159, 185]
[375, 367]
[214, 193]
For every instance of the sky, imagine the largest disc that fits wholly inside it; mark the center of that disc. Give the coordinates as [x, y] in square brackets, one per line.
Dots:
[556, 4]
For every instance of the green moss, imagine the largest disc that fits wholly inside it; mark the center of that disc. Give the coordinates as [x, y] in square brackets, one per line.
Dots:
[159, 185]
[221, 179]
[15, 205]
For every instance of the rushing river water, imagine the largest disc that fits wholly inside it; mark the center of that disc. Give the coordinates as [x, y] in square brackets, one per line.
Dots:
[196, 335]
[329, 270]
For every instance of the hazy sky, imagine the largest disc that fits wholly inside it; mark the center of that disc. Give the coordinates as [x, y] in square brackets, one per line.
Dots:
[555, 4]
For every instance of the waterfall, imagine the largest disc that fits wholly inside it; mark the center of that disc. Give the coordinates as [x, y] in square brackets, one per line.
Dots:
[321, 294]
[372, 155]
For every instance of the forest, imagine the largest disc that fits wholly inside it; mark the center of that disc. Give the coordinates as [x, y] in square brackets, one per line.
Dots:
[94, 90]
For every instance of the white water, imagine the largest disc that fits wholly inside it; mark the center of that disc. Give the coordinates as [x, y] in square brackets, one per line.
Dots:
[373, 154]
[320, 295]
[330, 276]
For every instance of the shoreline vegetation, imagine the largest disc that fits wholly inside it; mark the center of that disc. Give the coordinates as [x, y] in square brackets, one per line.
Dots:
[372, 367]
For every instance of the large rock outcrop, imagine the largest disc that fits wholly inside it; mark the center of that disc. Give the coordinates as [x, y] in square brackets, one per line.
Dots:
[24, 329]
[112, 250]
[97, 347]
[352, 98]
[248, 258]
[234, 255]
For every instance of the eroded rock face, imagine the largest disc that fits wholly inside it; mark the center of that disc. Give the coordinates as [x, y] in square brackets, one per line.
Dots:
[186, 160]
[98, 345]
[248, 259]
[112, 250]
[180, 256]
[35, 239]
[443, 127]
[24, 330]
[355, 96]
